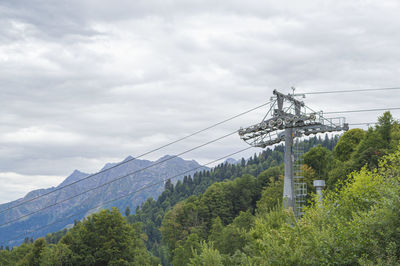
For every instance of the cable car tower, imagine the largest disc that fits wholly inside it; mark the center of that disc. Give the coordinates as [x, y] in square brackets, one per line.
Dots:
[287, 119]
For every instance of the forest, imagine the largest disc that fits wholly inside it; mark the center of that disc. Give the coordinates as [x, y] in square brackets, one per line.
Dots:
[232, 214]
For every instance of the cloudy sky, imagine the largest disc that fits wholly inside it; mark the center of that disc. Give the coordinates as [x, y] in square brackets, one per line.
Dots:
[85, 82]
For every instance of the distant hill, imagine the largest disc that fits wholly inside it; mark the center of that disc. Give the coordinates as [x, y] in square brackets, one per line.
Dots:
[91, 199]
[232, 161]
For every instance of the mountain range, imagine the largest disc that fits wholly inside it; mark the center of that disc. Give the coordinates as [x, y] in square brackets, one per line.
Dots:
[59, 209]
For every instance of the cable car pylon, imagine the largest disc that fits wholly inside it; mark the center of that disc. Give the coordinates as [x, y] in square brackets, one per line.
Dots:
[286, 119]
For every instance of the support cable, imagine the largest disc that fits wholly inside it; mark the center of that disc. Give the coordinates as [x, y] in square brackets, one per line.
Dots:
[365, 110]
[126, 195]
[117, 179]
[137, 157]
[346, 91]
[360, 124]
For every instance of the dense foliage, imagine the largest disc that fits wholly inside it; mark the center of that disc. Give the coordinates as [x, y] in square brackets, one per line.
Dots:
[152, 212]
[104, 238]
[356, 224]
[232, 214]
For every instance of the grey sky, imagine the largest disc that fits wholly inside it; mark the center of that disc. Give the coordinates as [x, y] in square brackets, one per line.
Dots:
[85, 82]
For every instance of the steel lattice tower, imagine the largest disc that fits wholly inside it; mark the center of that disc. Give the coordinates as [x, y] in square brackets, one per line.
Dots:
[286, 119]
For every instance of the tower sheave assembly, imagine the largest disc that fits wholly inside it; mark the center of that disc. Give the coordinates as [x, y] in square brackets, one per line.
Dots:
[287, 119]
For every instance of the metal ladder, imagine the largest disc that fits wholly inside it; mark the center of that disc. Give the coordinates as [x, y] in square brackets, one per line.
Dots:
[300, 187]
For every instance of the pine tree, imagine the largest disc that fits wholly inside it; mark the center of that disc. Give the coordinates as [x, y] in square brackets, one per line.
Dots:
[127, 211]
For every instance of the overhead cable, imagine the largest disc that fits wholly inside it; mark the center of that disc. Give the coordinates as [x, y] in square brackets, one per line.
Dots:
[360, 124]
[117, 179]
[134, 158]
[364, 110]
[346, 91]
[126, 195]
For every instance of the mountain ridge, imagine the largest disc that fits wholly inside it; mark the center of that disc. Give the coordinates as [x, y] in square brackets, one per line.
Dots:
[166, 167]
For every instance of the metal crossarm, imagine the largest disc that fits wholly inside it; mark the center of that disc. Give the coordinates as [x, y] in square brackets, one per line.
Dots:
[286, 119]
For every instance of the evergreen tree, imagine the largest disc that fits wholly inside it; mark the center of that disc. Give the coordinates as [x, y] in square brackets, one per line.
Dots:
[384, 127]
[127, 211]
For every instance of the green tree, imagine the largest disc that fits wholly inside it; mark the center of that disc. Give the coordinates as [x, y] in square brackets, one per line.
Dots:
[217, 202]
[206, 256]
[271, 195]
[216, 230]
[318, 158]
[184, 219]
[264, 177]
[127, 211]
[183, 253]
[16, 256]
[377, 142]
[57, 255]
[244, 221]
[384, 127]
[106, 238]
[348, 143]
[231, 238]
[33, 257]
[5, 257]
[370, 149]
[339, 172]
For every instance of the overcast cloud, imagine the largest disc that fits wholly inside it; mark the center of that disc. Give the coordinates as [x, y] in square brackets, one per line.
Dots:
[87, 82]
